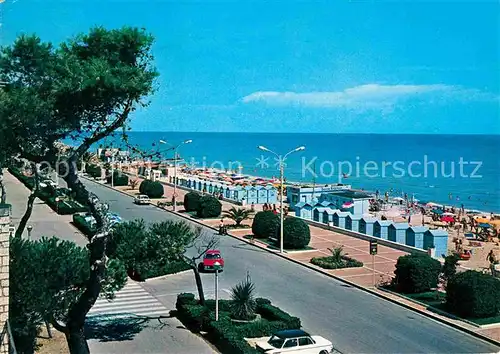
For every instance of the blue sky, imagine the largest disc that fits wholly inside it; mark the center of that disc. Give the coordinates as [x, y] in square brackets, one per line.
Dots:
[310, 66]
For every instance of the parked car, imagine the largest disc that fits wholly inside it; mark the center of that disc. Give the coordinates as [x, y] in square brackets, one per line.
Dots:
[142, 199]
[295, 341]
[209, 259]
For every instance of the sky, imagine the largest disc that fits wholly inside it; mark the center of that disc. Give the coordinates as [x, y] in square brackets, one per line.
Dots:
[301, 66]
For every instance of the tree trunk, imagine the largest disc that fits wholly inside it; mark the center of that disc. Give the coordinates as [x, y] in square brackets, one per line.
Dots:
[31, 202]
[49, 330]
[3, 199]
[77, 344]
[199, 284]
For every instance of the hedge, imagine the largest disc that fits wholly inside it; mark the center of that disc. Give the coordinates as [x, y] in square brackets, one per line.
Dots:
[145, 270]
[265, 224]
[416, 273]
[119, 179]
[227, 336]
[296, 233]
[152, 189]
[209, 207]
[82, 225]
[473, 294]
[330, 263]
[93, 170]
[192, 201]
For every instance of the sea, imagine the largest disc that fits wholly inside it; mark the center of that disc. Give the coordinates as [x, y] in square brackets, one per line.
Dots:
[445, 169]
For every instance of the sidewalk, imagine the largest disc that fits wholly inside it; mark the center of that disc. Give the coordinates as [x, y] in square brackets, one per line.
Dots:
[321, 240]
[151, 337]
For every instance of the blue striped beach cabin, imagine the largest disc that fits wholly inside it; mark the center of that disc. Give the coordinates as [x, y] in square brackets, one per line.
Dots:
[437, 238]
[366, 225]
[381, 229]
[415, 236]
[397, 232]
[352, 222]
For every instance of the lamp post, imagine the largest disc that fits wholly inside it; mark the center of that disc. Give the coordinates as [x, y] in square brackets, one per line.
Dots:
[57, 204]
[29, 228]
[281, 160]
[175, 168]
[217, 268]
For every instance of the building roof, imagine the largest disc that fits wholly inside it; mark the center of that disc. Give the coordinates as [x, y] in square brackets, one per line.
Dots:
[291, 333]
[320, 209]
[355, 217]
[343, 213]
[331, 211]
[299, 205]
[368, 220]
[384, 222]
[401, 225]
[438, 232]
[326, 203]
[419, 229]
[352, 194]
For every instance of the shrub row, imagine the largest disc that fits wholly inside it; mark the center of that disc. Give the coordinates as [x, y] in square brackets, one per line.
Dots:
[82, 225]
[119, 179]
[227, 336]
[49, 195]
[153, 189]
[94, 171]
[205, 206]
[330, 263]
[296, 233]
[416, 273]
[147, 270]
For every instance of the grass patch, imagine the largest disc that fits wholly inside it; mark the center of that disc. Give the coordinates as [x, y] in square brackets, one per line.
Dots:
[234, 226]
[194, 215]
[334, 263]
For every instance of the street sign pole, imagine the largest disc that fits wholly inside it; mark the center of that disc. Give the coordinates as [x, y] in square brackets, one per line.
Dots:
[217, 268]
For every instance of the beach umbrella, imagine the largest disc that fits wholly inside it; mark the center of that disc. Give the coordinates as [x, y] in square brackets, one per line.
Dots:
[447, 219]
[437, 211]
[432, 204]
[398, 199]
[448, 214]
[494, 222]
[347, 205]
[482, 220]
[485, 225]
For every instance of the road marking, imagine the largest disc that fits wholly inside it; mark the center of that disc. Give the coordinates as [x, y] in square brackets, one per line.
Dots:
[131, 301]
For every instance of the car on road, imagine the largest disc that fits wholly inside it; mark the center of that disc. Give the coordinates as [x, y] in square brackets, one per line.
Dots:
[209, 260]
[142, 199]
[295, 341]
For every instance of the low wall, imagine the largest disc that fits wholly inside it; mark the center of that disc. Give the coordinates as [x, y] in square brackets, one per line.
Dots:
[361, 236]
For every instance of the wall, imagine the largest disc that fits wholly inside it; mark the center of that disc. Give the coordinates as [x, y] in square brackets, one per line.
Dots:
[4, 277]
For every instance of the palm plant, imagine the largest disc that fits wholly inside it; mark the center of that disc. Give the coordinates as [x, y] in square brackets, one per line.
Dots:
[337, 254]
[238, 215]
[243, 304]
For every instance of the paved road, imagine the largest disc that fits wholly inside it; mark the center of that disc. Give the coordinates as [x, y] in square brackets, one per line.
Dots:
[356, 322]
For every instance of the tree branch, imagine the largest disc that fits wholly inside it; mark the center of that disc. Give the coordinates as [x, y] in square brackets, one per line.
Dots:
[59, 327]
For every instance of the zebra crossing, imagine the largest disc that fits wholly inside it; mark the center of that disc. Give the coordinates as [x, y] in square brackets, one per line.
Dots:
[131, 301]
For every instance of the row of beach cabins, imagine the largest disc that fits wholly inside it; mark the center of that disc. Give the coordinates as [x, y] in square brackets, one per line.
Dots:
[402, 233]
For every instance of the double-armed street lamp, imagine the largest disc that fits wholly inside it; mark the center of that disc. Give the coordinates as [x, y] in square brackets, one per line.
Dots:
[175, 147]
[29, 228]
[281, 160]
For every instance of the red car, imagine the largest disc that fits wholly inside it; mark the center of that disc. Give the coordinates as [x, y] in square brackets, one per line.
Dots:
[209, 259]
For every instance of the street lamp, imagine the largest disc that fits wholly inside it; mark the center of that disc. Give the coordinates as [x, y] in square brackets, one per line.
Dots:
[29, 228]
[175, 168]
[217, 267]
[281, 160]
[57, 204]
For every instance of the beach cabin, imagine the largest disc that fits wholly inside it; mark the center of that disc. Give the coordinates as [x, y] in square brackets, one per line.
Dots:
[381, 229]
[397, 232]
[437, 239]
[318, 214]
[366, 225]
[355, 202]
[328, 216]
[308, 193]
[251, 194]
[303, 210]
[272, 194]
[415, 236]
[261, 195]
[339, 218]
[237, 193]
[352, 222]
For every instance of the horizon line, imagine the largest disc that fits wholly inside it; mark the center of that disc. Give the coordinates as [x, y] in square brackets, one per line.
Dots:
[311, 133]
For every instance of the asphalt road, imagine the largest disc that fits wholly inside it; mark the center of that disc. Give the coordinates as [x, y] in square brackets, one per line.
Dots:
[355, 321]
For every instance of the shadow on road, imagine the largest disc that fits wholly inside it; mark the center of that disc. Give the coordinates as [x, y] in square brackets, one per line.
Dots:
[105, 329]
[245, 246]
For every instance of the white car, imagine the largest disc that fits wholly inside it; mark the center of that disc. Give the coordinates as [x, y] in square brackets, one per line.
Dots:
[142, 199]
[48, 182]
[294, 341]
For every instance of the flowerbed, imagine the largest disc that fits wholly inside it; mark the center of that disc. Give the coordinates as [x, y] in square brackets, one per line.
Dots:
[226, 335]
[332, 263]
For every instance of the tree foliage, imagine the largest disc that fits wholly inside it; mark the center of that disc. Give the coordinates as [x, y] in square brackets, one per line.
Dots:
[296, 233]
[238, 215]
[83, 89]
[416, 273]
[192, 201]
[265, 224]
[153, 189]
[209, 207]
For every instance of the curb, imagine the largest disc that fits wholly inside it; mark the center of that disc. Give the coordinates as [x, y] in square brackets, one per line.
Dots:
[167, 275]
[357, 286]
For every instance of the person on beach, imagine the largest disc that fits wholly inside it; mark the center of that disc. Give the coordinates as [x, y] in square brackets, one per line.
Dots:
[222, 228]
[275, 212]
[252, 207]
[264, 207]
[493, 261]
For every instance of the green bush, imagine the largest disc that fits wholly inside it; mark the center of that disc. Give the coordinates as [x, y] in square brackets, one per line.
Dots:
[192, 201]
[93, 170]
[296, 233]
[209, 207]
[273, 313]
[119, 179]
[331, 263]
[152, 189]
[416, 273]
[265, 224]
[473, 294]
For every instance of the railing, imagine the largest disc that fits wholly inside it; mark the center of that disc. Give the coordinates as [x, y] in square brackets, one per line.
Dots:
[7, 340]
